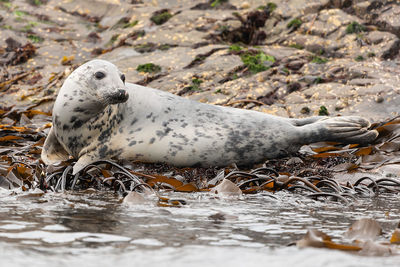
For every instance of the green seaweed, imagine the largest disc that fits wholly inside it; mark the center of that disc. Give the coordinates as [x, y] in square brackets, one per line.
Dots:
[35, 38]
[29, 26]
[130, 24]
[6, 27]
[297, 46]
[6, 3]
[355, 27]
[161, 18]
[223, 28]
[148, 67]
[145, 47]
[235, 48]
[113, 39]
[359, 58]
[164, 47]
[125, 23]
[305, 110]
[294, 23]
[323, 111]
[319, 60]
[271, 7]
[20, 13]
[195, 84]
[196, 81]
[36, 2]
[318, 80]
[255, 63]
[218, 2]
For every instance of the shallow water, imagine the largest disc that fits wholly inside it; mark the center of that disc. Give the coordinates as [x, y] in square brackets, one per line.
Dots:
[94, 228]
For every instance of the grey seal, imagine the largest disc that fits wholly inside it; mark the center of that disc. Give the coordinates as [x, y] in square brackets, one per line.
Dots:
[97, 115]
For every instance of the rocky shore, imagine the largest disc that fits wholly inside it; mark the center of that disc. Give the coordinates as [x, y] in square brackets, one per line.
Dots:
[287, 58]
[290, 58]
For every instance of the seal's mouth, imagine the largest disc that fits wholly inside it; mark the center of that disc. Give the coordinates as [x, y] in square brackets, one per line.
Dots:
[120, 96]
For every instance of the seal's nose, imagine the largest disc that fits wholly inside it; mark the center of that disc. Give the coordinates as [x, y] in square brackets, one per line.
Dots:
[122, 95]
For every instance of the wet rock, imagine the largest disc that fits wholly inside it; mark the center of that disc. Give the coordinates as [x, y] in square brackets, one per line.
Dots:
[388, 19]
[85, 10]
[383, 44]
[328, 22]
[285, 54]
[245, 5]
[361, 9]
[12, 44]
[379, 99]
[16, 53]
[93, 37]
[212, 4]
[379, 89]
[226, 189]
[341, 3]
[134, 198]
[294, 8]
[248, 32]
[295, 86]
[8, 34]
[161, 16]
[362, 82]
[315, 64]
[295, 64]
[314, 44]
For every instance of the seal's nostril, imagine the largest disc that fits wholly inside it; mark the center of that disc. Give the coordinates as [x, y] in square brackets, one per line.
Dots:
[123, 95]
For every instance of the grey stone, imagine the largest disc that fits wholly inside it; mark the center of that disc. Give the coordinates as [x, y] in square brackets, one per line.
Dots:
[389, 19]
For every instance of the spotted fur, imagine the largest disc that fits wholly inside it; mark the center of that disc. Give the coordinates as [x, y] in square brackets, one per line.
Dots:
[106, 118]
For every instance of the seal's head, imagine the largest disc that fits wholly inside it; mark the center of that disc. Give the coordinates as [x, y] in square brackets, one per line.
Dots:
[88, 103]
[100, 80]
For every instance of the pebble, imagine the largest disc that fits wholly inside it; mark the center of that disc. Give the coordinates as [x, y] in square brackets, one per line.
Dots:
[245, 5]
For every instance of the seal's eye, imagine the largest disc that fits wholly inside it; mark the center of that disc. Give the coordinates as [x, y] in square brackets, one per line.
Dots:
[99, 75]
[123, 78]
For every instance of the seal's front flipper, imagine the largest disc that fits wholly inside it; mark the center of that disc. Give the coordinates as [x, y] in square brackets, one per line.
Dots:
[83, 161]
[53, 152]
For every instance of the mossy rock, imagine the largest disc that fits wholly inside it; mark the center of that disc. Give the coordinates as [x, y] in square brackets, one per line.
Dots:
[255, 62]
[294, 23]
[323, 111]
[319, 60]
[149, 68]
[359, 58]
[235, 48]
[161, 16]
[355, 27]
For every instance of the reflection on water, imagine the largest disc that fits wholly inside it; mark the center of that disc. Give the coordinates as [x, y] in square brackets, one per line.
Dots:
[66, 228]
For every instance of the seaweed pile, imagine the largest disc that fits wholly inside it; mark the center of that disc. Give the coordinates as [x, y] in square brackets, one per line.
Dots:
[310, 173]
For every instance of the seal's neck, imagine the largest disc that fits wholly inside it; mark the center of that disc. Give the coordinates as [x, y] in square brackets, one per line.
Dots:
[79, 117]
[78, 130]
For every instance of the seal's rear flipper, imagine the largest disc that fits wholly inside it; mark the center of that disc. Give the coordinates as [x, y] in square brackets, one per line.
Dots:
[346, 129]
[53, 152]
